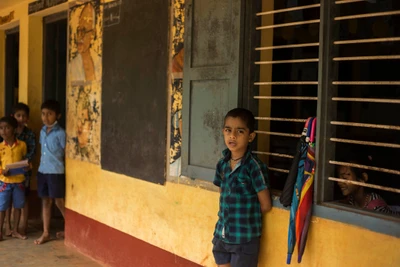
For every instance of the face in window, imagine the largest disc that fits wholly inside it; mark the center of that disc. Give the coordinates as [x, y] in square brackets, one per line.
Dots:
[346, 173]
[237, 135]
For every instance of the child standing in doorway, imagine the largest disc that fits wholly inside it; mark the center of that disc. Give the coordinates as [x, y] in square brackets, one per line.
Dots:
[11, 186]
[244, 195]
[51, 174]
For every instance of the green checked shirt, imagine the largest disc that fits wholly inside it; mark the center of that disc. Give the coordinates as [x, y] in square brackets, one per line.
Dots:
[239, 209]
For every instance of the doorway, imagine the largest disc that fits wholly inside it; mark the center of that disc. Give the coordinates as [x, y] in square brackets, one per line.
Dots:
[55, 60]
[12, 69]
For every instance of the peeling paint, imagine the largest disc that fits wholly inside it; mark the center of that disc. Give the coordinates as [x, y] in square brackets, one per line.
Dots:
[84, 82]
[176, 88]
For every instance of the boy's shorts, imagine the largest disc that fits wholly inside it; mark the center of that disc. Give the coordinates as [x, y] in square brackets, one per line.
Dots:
[238, 255]
[14, 192]
[51, 185]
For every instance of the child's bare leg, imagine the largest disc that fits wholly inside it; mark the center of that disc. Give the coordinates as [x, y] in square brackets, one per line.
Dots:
[8, 222]
[24, 218]
[61, 206]
[46, 212]
[17, 217]
[225, 265]
[2, 216]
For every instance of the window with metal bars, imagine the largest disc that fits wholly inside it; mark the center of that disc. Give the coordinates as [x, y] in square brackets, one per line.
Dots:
[337, 60]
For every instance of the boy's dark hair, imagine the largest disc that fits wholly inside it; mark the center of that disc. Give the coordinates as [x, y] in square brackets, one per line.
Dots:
[21, 106]
[10, 121]
[51, 105]
[245, 115]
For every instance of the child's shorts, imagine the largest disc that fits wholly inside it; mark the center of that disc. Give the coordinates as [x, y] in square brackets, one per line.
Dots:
[241, 255]
[51, 185]
[14, 192]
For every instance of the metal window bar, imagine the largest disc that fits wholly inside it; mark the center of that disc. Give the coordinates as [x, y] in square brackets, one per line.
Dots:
[278, 170]
[366, 125]
[366, 143]
[366, 83]
[280, 119]
[367, 58]
[297, 23]
[270, 48]
[287, 97]
[279, 134]
[365, 167]
[287, 46]
[390, 189]
[339, 2]
[273, 154]
[304, 60]
[369, 15]
[369, 100]
[287, 83]
[370, 40]
[288, 9]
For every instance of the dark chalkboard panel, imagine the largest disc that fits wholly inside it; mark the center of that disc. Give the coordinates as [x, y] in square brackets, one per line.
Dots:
[135, 91]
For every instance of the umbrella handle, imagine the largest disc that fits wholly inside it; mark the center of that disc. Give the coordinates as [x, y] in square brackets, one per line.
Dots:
[288, 259]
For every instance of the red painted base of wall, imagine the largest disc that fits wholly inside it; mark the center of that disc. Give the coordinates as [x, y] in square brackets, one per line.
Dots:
[115, 248]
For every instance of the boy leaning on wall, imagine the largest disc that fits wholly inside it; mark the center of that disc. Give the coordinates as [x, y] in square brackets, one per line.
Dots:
[244, 195]
[51, 174]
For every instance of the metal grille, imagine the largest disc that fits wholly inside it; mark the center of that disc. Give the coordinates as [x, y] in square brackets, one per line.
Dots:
[366, 42]
[288, 80]
[364, 92]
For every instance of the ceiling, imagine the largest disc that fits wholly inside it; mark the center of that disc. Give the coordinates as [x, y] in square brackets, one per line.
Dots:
[8, 3]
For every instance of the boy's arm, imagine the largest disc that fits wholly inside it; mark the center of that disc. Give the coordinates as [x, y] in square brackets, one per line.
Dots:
[31, 146]
[217, 177]
[260, 181]
[62, 140]
[264, 197]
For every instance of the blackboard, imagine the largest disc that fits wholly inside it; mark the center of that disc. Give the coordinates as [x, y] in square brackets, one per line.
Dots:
[135, 91]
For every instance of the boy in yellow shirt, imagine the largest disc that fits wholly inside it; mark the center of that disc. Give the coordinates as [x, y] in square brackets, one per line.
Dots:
[11, 187]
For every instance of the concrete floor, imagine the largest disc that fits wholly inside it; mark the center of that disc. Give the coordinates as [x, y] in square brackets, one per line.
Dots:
[21, 253]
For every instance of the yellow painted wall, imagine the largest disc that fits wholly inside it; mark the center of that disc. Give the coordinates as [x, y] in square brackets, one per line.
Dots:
[181, 219]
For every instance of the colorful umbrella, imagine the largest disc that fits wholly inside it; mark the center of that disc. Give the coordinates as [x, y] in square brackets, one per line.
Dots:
[304, 211]
[296, 192]
[287, 192]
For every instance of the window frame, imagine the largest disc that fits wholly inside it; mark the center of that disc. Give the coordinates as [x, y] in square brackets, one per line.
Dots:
[325, 149]
[326, 108]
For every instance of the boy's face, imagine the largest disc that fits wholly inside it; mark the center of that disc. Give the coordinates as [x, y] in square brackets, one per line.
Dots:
[21, 117]
[237, 135]
[49, 117]
[6, 131]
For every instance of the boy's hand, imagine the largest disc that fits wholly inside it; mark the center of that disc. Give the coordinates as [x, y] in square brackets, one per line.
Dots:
[5, 172]
[28, 168]
[264, 197]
